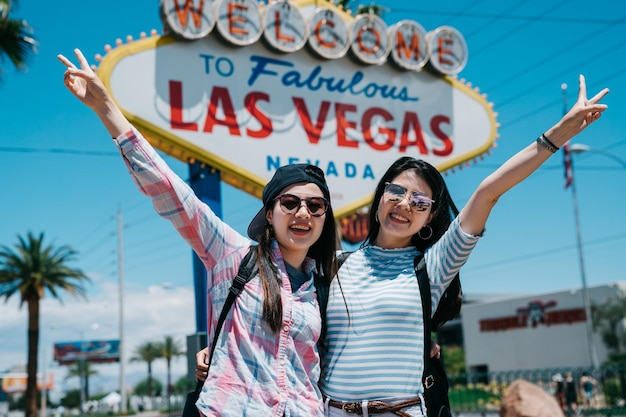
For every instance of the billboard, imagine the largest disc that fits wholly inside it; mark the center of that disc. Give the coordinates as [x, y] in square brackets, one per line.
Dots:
[15, 382]
[246, 88]
[95, 351]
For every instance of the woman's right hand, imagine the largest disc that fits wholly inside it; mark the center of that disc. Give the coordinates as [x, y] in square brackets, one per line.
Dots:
[435, 350]
[202, 367]
[83, 82]
[89, 89]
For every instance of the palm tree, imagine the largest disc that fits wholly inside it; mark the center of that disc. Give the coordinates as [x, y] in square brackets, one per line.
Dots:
[17, 42]
[361, 8]
[170, 348]
[83, 370]
[148, 352]
[31, 271]
[371, 8]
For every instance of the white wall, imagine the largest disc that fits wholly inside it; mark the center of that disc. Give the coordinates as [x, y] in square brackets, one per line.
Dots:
[544, 346]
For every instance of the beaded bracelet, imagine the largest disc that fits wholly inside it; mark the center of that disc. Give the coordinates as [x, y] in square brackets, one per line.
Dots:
[546, 143]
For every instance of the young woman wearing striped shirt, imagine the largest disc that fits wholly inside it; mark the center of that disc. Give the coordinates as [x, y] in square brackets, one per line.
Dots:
[375, 346]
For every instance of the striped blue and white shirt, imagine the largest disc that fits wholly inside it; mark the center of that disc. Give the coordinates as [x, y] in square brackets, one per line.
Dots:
[376, 347]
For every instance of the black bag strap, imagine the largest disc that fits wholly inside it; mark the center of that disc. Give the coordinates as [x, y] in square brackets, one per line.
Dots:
[244, 274]
[424, 283]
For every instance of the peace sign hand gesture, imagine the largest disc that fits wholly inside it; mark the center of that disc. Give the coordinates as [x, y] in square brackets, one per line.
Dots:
[89, 89]
[584, 112]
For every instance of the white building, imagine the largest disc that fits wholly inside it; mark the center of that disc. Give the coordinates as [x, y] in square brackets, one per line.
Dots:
[532, 331]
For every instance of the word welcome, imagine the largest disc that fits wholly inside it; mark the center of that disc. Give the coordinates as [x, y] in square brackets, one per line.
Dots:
[285, 29]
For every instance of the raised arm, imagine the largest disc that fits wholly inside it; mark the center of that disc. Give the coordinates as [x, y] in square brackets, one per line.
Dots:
[87, 87]
[584, 112]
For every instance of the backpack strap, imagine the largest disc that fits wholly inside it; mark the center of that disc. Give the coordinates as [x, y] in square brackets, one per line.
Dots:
[422, 279]
[341, 258]
[244, 274]
[322, 288]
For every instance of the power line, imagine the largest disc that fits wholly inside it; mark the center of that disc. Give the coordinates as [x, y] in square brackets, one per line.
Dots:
[57, 151]
[553, 56]
[511, 32]
[569, 20]
[462, 12]
[499, 16]
[94, 231]
[557, 101]
[544, 253]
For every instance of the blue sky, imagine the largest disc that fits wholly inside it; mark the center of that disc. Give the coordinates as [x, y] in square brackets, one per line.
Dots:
[61, 175]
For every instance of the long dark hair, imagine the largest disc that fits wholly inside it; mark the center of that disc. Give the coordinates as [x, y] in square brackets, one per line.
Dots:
[323, 252]
[444, 210]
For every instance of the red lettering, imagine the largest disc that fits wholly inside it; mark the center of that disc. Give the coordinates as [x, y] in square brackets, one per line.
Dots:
[376, 35]
[220, 95]
[410, 124]
[366, 123]
[403, 49]
[183, 12]
[313, 132]
[233, 19]
[318, 36]
[265, 122]
[502, 323]
[566, 316]
[442, 50]
[343, 124]
[279, 35]
[435, 126]
[176, 108]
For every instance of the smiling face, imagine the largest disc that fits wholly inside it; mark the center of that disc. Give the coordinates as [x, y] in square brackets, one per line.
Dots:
[398, 221]
[298, 231]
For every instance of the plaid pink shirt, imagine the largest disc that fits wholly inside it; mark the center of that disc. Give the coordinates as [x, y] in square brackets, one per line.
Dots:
[254, 372]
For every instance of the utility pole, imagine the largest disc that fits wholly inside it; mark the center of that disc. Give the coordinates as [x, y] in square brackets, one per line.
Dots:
[593, 355]
[120, 274]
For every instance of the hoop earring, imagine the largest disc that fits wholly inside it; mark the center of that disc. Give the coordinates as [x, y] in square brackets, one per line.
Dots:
[376, 217]
[429, 234]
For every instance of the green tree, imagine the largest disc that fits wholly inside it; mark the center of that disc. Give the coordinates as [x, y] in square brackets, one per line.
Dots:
[17, 42]
[148, 352]
[454, 360]
[170, 349]
[184, 384]
[148, 387]
[608, 320]
[82, 370]
[361, 8]
[32, 270]
[71, 399]
[370, 8]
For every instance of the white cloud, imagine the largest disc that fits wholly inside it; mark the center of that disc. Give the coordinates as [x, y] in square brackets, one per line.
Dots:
[149, 315]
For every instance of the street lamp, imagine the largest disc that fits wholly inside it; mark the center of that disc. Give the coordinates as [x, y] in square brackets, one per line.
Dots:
[577, 148]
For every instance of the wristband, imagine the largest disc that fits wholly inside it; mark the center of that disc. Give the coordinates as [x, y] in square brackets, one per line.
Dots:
[549, 141]
[545, 142]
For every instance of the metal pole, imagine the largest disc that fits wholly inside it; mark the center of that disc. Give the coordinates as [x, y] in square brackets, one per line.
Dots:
[586, 302]
[81, 371]
[120, 273]
[593, 355]
[44, 392]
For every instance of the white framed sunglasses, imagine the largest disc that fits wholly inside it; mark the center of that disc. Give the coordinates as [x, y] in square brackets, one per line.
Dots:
[418, 201]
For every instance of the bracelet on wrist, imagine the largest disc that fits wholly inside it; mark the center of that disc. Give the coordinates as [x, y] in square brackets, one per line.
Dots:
[546, 143]
[543, 135]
